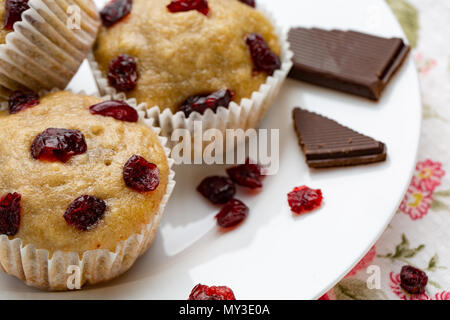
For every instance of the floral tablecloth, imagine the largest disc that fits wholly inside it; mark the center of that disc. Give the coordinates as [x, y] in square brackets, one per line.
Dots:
[419, 234]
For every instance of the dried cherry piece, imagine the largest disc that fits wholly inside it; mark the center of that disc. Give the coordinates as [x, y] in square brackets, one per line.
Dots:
[201, 103]
[141, 175]
[303, 199]
[233, 213]
[117, 109]
[114, 11]
[13, 12]
[188, 5]
[247, 175]
[413, 280]
[10, 213]
[55, 144]
[218, 190]
[19, 101]
[264, 59]
[202, 292]
[122, 73]
[84, 212]
[251, 3]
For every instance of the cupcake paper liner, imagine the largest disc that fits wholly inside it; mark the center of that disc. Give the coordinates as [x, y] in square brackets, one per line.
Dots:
[247, 114]
[43, 52]
[37, 269]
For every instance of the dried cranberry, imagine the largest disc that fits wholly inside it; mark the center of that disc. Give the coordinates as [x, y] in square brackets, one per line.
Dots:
[303, 199]
[251, 3]
[187, 5]
[218, 190]
[119, 110]
[141, 175]
[84, 212]
[13, 12]
[19, 101]
[264, 59]
[233, 213]
[202, 292]
[201, 103]
[413, 280]
[122, 73]
[114, 11]
[58, 145]
[10, 213]
[246, 175]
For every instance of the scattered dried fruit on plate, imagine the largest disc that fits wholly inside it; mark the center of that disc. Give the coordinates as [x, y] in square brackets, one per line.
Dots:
[202, 292]
[247, 175]
[303, 199]
[233, 213]
[13, 12]
[218, 190]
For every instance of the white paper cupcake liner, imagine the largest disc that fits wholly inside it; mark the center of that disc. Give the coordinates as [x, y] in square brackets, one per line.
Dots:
[247, 114]
[37, 269]
[44, 51]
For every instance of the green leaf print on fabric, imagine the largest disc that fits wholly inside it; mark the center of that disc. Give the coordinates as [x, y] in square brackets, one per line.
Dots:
[355, 289]
[430, 113]
[438, 205]
[408, 17]
[403, 251]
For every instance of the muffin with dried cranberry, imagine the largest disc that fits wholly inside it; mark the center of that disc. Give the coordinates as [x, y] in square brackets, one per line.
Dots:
[83, 182]
[43, 43]
[192, 57]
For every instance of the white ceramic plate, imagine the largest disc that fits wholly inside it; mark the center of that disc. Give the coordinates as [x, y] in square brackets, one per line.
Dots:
[275, 255]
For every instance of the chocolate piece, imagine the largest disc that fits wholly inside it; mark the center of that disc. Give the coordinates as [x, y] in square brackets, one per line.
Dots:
[327, 143]
[347, 61]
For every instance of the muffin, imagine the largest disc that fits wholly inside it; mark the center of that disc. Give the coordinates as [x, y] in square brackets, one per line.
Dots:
[207, 60]
[83, 183]
[43, 42]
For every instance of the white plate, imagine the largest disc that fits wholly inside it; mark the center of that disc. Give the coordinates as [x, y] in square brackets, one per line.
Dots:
[275, 255]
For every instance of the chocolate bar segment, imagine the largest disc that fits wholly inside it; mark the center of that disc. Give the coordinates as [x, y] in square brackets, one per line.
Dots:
[347, 61]
[327, 143]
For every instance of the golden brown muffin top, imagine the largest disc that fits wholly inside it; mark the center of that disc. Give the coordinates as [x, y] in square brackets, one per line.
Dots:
[47, 188]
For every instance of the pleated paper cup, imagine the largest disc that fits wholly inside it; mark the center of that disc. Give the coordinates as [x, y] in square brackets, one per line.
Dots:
[38, 269]
[247, 114]
[48, 46]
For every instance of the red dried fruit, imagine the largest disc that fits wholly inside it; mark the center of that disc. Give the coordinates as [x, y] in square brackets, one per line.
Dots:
[188, 5]
[13, 12]
[19, 101]
[303, 199]
[264, 59]
[201, 103]
[246, 175]
[122, 73]
[10, 213]
[84, 212]
[218, 190]
[251, 3]
[119, 110]
[233, 213]
[202, 292]
[141, 175]
[114, 11]
[55, 144]
[413, 280]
